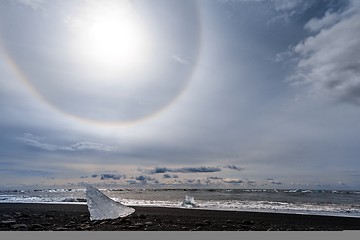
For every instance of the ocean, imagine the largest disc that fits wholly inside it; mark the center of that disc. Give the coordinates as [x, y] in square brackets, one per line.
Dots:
[298, 201]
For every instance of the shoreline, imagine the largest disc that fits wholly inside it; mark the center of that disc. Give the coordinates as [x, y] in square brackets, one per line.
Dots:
[75, 217]
[199, 208]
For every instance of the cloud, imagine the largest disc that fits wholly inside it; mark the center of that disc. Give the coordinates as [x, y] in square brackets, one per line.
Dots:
[251, 182]
[277, 5]
[287, 5]
[107, 176]
[329, 60]
[44, 146]
[233, 167]
[273, 181]
[84, 146]
[236, 181]
[166, 175]
[180, 59]
[32, 136]
[35, 4]
[286, 10]
[181, 170]
[215, 178]
[190, 180]
[35, 141]
[131, 181]
[146, 179]
[317, 24]
[284, 56]
[143, 178]
[233, 180]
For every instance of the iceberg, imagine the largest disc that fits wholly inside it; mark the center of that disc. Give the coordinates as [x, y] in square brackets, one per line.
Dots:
[189, 202]
[102, 207]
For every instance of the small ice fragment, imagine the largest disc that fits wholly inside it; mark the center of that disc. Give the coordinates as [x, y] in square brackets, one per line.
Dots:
[306, 191]
[102, 207]
[189, 202]
[295, 191]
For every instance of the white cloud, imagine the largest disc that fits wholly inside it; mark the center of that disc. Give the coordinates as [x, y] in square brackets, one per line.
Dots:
[286, 5]
[44, 146]
[285, 10]
[273, 181]
[34, 141]
[180, 59]
[84, 146]
[330, 60]
[317, 24]
[233, 180]
[283, 56]
[32, 136]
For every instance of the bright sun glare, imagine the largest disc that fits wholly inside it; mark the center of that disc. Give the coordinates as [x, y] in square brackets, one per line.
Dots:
[112, 37]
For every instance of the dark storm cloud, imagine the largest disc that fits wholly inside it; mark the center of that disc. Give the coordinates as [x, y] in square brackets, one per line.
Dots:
[146, 179]
[215, 178]
[143, 178]
[170, 176]
[233, 167]
[106, 176]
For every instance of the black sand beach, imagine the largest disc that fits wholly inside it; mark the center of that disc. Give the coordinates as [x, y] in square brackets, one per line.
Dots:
[72, 217]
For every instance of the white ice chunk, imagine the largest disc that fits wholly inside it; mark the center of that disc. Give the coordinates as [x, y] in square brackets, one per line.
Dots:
[189, 202]
[102, 207]
[295, 191]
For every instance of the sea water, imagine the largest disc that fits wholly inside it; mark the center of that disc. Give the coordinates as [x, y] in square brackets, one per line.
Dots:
[315, 202]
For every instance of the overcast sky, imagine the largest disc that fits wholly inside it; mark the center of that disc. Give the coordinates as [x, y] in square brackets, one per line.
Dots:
[226, 93]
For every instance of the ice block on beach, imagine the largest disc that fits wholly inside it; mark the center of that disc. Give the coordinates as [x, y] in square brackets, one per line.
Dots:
[189, 202]
[102, 207]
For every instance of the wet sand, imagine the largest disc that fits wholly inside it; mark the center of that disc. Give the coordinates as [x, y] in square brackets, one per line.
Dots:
[74, 217]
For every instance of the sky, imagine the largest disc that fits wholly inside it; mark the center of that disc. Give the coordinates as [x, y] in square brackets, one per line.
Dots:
[178, 94]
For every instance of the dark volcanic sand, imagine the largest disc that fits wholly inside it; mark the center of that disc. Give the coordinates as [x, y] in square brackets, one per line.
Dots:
[67, 217]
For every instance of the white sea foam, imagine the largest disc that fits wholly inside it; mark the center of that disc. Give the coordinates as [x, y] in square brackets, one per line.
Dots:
[258, 206]
[333, 203]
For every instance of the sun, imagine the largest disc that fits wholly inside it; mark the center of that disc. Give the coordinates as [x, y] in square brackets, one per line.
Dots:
[111, 37]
